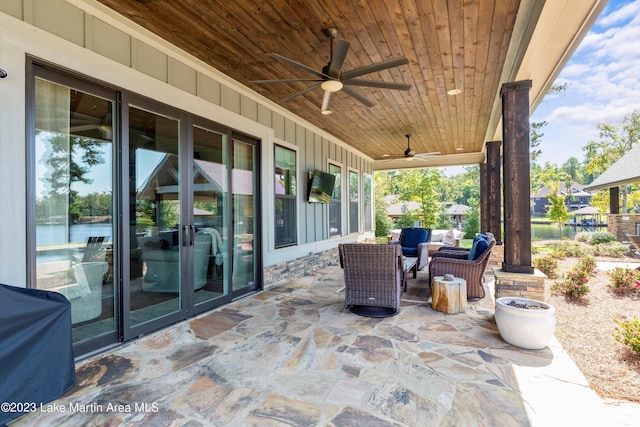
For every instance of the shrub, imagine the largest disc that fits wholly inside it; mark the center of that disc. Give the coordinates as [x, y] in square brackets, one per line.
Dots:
[566, 249]
[574, 284]
[588, 264]
[611, 249]
[547, 264]
[624, 280]
[583, 236]
[628, 333]
[598, 237]
[594, 237]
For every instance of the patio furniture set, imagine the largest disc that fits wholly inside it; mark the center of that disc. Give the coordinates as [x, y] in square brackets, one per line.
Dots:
[376, 274]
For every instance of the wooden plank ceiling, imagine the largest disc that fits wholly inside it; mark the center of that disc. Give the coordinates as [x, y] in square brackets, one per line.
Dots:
[450, 44]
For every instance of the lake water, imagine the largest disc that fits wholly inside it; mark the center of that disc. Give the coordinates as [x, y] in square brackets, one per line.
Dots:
[552, 231]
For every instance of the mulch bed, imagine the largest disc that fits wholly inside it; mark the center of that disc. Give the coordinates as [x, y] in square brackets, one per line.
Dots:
[585, 329]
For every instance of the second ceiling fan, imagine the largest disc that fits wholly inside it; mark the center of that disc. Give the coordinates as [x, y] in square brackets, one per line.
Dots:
[332, 79]
[409, 154]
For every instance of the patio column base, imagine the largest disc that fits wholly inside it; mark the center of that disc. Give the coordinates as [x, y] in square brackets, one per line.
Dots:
[519, 284]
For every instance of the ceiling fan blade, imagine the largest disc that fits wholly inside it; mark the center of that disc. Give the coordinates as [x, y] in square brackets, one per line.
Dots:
[82, 128]
[377, 83]
[339, 55]
[355, 94]
[297, 65]
[426, 155]
[389, 63]
[310, 88]
[285, 80]
[326, 101]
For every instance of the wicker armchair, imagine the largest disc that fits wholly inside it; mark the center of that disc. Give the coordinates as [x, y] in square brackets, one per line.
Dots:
[457, 263]
[415, 243]
[635, 241]
[373, 277]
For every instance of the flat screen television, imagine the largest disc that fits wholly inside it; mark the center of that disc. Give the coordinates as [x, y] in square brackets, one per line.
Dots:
[321, 187]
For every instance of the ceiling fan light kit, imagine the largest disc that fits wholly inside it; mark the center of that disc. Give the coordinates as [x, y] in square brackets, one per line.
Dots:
[332, 85]
[332, 79]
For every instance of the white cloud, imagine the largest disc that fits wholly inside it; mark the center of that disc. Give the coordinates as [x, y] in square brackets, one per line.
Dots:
[603, 80]
[619, 15]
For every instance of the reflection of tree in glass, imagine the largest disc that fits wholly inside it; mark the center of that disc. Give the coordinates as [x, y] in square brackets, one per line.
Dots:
[68, 160]
[168, 215]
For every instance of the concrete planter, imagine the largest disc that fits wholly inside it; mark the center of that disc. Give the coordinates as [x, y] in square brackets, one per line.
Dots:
[528, 328]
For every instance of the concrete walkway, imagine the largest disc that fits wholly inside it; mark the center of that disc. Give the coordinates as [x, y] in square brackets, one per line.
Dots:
[293, 356]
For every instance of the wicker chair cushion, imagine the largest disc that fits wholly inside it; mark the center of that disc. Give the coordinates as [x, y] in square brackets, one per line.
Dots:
[410, 239]
[480, 245]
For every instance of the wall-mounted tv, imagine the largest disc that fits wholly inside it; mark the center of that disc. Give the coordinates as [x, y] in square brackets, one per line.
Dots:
[321, 187]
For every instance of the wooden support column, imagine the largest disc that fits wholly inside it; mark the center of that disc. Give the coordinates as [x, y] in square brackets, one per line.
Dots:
[494, 193]
[614, 200]
[484, 199]
[515, 136]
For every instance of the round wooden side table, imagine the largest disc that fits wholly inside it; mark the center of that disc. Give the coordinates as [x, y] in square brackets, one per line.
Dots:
[449, 296]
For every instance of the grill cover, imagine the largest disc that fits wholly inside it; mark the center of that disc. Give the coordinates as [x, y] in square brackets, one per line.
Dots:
[36, 348]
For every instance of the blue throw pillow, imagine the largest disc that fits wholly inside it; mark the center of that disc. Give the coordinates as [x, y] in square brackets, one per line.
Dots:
[479, 246]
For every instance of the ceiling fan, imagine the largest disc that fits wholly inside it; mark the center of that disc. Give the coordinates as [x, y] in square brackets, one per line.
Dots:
[409, 154]
[333, 79]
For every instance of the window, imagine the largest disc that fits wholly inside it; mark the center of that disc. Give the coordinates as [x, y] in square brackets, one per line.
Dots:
[335, 207]
[285, 191]
[368, 197]
[353, 201]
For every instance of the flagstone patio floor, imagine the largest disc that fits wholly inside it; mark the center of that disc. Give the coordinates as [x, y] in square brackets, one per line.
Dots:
[294, 356]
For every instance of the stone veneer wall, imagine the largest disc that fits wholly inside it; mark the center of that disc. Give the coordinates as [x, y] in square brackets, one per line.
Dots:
[496, 259]
[622, 224]
[519, 284]
[278, 274]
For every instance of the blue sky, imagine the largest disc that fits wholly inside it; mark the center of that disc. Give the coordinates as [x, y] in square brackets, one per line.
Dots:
[603, 78]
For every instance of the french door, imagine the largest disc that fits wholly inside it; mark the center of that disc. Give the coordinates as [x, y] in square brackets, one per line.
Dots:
[192, 196]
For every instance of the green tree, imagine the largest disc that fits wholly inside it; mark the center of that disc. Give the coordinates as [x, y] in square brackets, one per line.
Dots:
[384, 224]
[535, 137]
[406, 218]
[613, 143]
[557, 209]
[422, 186]
[574, 169]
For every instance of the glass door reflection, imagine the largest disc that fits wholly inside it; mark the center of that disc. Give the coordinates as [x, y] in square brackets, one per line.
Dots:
[210, 195]
[74, 231]
[155, 237]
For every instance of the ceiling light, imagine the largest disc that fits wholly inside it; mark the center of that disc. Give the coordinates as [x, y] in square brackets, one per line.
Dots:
[454, 92]
[326, 111]
[459, 149]
[331, 85]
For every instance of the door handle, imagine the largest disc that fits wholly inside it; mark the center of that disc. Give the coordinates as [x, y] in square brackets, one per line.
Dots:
[185, 235]
[192, 235]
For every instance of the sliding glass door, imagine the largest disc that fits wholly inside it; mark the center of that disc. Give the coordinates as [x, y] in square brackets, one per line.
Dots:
[141, 214]
[210, 193]
[156, 255]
